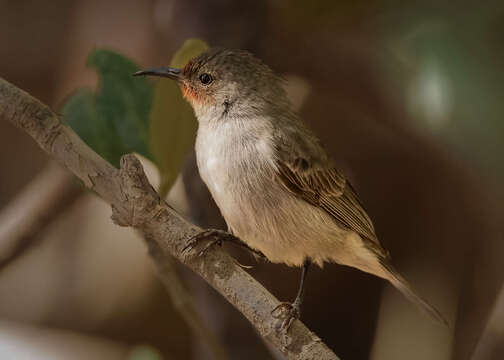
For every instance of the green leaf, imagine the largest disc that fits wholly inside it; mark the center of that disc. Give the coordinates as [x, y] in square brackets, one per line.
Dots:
[114, 120]
[77, 112]
[144, 352]
[172, 122]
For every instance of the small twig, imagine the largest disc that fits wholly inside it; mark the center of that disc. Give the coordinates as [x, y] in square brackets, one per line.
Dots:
[36, 206]
[135, 203]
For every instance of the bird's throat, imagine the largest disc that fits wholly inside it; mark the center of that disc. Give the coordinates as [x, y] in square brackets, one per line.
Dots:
[194, 96]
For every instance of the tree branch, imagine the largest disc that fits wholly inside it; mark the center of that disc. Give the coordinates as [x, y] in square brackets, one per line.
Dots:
[135, 203]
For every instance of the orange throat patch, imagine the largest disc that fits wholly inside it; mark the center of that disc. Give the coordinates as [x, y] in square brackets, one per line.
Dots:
[193, 96]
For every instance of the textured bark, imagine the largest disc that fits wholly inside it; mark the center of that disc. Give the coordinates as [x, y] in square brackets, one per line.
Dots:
[135, 203]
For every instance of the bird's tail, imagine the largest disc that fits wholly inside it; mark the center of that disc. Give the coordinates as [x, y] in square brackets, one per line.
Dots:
[405, 288]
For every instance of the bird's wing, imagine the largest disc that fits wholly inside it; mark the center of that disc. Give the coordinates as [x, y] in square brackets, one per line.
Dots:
[321, 185]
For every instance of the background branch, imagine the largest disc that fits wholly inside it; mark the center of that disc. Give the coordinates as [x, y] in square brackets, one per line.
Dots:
[135, 203]
[183, 301]
[47, 196]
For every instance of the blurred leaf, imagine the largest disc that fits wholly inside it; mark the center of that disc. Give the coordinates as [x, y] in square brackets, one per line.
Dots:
[77, 111]
[114, 120]
[172, 122]
[144, 352]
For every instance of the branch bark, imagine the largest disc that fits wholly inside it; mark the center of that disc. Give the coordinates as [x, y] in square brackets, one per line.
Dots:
[135, 203]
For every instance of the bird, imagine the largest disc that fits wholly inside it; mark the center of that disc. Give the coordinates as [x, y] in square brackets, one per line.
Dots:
[271, 177]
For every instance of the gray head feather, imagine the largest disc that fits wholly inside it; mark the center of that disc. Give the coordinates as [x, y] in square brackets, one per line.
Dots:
[241, 85]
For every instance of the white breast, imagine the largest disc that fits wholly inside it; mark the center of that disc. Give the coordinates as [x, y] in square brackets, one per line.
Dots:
[230, 160]
[214, 162]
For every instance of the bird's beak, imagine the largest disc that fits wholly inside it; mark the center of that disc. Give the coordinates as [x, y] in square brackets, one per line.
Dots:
[171, 73]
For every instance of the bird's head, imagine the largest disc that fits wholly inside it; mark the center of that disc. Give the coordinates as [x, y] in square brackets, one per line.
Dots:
[224, 84]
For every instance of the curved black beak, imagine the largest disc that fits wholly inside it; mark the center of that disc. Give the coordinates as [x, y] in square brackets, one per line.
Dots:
[171, 73]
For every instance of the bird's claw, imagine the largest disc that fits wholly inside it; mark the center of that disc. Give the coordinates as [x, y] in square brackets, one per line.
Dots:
[246, 267]
[213, 236]
[286, 312]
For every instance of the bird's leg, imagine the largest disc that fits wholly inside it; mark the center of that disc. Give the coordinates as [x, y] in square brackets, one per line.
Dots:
[289, 312]
[216, 236]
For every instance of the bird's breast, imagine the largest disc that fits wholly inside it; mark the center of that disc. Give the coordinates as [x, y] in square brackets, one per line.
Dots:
[230, 161]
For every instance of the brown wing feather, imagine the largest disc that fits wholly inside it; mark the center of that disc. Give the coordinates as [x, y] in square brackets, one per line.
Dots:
[327, 189]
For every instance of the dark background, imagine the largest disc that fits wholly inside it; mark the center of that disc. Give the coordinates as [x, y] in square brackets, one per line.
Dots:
[408, 99]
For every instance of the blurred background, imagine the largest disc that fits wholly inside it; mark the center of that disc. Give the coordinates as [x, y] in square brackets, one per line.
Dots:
[408, 98]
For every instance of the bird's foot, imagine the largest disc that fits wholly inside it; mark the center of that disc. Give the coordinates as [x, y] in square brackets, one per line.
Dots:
[212, 237]
[287, 313]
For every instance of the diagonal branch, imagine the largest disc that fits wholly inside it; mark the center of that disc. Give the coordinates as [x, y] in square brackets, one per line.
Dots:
[135, 203]
[46, 197]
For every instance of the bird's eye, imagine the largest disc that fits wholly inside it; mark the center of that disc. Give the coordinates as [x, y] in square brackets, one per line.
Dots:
[205, 78]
